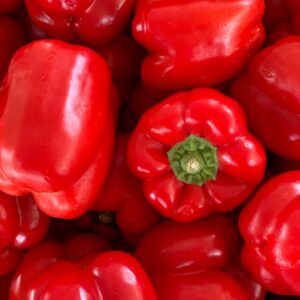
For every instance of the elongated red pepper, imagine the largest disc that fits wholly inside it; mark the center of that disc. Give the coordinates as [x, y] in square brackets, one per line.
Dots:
[57, 134]
[95, 22]
[195, 155]
[197, 43]
[122, 193]
[269, 94]
[22, 225]
[190, 261]
[11, 38]
[47, 271]
[269, 225]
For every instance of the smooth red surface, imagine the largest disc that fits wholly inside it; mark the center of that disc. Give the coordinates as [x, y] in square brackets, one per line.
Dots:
[122, 193]
[196, 43]
[93, 22]
[201, 286]
[173, 247]
[269, 94]
[22, 225]
[58, 148]
[269, 225]
[50, 270]
[219, 119]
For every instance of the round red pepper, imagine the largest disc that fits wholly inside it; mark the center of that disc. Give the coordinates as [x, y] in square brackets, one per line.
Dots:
[194, 261]
[195, 155]
[269, 223]
[269, 94]
[197, 43]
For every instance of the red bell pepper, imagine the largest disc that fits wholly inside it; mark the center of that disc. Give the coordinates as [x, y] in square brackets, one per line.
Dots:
[9, 6]
[189, 261]
[22, 225]
[269, 224]
[195, 155]
[95, 22]
[269, 94]
[11, 38]
[197, 43]
[122, 193]
[47, 271]
[56, 135]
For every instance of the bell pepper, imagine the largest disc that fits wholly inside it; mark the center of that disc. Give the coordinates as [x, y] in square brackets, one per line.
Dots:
[189, 260]
[11, 38]
[47, 271]
[269, 94]
[269, 224]
[196, 43]
[94, 22]
[122, 193]
[9, 6]
[56, 135]
[195, 155]
[22, 225]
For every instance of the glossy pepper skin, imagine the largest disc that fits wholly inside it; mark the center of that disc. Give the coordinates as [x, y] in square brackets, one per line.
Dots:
[22, 225]
[269, 94]
[269, 226]
[196, 43]
[195, 155]
[188, 260]
[93, 22]
[11, 38]
[48, 271]
[56, 140]
[122, 193]
[9, 6]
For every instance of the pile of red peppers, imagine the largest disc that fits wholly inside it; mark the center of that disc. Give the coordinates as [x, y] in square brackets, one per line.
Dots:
[149, 149]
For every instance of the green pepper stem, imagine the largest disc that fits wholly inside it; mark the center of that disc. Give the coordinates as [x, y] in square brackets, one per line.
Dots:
[194, 160]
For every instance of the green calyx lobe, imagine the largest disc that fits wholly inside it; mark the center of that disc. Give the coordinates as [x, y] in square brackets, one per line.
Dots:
[194, 160]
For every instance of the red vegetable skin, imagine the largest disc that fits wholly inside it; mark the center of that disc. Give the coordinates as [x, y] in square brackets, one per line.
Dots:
[122, 193]
[196, 43]
[46, 272]
[268, 92]
[93, 22]
[195, 155]
[82, 114]
[182, 248]
[22, 225]
[201, 286]
[268, 224]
